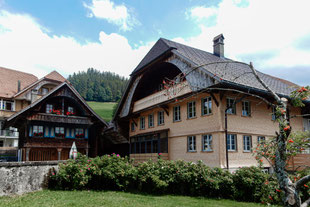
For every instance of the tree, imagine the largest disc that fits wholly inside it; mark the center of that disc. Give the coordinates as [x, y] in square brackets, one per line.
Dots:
[280, 151]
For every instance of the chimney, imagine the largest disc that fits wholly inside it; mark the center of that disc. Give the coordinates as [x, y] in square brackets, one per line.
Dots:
[18, 86]
[218, 45]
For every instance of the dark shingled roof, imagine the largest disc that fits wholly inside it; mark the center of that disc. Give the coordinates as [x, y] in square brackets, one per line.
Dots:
[225, 69]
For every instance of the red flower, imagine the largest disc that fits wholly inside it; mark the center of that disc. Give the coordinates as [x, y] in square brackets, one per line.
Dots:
[290, 141]
[286, 128]
[306, 186]
[270, 197]
[278, 190]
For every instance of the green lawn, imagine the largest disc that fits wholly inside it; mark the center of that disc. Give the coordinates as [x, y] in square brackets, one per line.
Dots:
[111, 199]
[103, 109]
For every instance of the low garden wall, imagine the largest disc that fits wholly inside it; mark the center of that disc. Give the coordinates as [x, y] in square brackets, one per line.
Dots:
[23, 177]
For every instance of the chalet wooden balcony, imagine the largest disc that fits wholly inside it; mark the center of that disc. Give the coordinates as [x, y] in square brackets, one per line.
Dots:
[8, 134]
[162, 96]
[60, 118]
[56, 142]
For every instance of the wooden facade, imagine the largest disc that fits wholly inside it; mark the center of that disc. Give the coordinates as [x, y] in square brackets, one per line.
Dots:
[49, 126]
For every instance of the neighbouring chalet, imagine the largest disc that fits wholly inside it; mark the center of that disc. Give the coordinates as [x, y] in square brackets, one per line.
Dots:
[49, 126]
[17, 91]
[179, 98]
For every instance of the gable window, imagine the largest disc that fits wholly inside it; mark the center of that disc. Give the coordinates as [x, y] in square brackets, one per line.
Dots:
[37, 131]
[246, 108]
[161, 117]
[232, 142]
[176, 113]
[7, 105]
[206, 106]
[260, 139]
[142, 122]
[44, 91]
[191, 143]
[191, 109]
[79, 133]
[247, 143]
[230, 104]
[207, 142]
[151, 120]
[132, 126]
[49, 108]
[70, 110]
[60, 132]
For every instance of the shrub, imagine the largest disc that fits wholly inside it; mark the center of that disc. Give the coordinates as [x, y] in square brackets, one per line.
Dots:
[112, 172]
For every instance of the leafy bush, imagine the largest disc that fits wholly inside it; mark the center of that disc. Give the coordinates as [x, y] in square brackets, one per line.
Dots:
[165, 177]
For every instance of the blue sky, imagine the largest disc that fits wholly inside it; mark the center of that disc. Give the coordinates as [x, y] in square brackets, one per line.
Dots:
[112, 35]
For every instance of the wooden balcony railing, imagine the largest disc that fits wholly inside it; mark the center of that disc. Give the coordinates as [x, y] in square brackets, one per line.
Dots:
[162, 96]
[60, 118]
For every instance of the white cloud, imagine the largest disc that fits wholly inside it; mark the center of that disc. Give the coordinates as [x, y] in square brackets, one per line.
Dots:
[117, 14]
[26, 46]
[255, 27]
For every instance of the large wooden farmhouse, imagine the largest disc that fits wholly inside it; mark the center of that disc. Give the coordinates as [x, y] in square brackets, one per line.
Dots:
[189, 104]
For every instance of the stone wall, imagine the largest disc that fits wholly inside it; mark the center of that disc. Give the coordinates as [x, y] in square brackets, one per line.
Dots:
[23, 177]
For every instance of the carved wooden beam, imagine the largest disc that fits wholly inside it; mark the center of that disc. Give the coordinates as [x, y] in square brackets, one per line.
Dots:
[166, 109]
[215, 100]
[222, 93]
[135, 123]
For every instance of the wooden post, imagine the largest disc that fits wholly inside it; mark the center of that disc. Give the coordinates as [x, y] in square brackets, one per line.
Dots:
[27, 154]
[59, 153]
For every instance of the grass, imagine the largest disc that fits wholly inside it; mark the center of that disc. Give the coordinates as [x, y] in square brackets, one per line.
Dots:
[103, 109]
[112, 199]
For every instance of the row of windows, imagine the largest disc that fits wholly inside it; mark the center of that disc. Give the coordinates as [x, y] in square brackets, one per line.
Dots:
[206, 109]
[50, 109]
[206, 142]
[61, 132]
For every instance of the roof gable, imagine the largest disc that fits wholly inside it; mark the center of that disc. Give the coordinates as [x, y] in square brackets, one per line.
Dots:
[54, 75]
[54, 91]
[9, 81]
[160, 48]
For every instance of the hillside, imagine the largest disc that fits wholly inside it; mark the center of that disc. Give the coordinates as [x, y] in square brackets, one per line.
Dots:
[94, 85]
[103, 109]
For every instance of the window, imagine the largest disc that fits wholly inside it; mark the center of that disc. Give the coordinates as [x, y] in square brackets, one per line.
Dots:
[191, 144]
[247, 143]
[132, 126]
[207, 142]
[70, 110]
[49, 108]
[161, 118]
[191, 109]
[44, 91]
[7, 105]
[273, 115]
[79, 133]
[246, 108]
[1, 143]
[230, 104]
[59, 131]
[37, 131]
[151, 120]
[232, 142]
[176, 113]
[260, 139]
[206, 106]
[142, 122]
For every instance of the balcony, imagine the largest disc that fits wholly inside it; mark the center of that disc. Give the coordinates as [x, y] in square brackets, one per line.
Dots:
[60, 118]
[6, 113]
[162, 96]
[8, 134]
